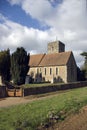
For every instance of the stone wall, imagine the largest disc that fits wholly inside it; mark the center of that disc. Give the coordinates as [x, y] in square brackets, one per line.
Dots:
[39, 90]
[71, 70]
[58, 73]
[52, 88]
[3, 92]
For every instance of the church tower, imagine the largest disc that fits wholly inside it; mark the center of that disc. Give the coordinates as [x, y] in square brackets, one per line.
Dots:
[56, 47]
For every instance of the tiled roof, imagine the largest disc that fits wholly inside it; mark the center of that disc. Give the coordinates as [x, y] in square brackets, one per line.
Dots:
[55, 59]
[49, 59]
[35, 59]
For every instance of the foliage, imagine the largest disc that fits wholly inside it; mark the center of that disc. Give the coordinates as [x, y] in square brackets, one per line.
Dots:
[19, 65]
[5, 65]
[80, 74]
[40, 112]
[85, 63]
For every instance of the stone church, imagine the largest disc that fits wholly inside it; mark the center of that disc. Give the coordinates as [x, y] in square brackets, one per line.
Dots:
[55, 66]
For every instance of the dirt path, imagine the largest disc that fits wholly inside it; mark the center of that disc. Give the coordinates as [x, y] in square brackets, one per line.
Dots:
[73, 122]
[76, 122]
[10, 101]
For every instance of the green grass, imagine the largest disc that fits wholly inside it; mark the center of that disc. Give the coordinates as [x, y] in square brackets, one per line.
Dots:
[29, 116]
[39, 85]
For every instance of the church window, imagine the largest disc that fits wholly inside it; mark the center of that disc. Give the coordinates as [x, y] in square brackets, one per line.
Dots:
[56, 71]
[50, 71]
[37, 70]
[45, 71]
[40, 69]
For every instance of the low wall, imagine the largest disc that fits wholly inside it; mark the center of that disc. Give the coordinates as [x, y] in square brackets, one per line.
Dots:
[38, 90]
[53, 88]
[3, 92]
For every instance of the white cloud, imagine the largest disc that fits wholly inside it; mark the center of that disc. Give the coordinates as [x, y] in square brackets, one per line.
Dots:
[38, 9]
[13, 35]
[68, 21]
[12, 2]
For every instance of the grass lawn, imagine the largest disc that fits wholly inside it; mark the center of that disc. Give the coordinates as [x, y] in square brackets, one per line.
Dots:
[39, 85]
[29, 116]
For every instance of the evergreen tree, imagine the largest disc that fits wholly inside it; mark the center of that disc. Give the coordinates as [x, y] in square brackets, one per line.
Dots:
[19, 65]
[80, 74]
[85, 63]
[5, 65]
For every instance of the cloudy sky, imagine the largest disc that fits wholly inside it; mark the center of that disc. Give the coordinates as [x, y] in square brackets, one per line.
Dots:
[33, 23]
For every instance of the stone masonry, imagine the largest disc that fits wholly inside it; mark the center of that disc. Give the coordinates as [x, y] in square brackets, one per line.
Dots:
[56, 47]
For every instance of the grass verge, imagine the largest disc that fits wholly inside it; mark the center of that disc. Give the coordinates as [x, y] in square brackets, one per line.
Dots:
[31, 115]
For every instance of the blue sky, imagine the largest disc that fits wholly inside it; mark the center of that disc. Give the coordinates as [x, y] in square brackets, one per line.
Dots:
[34, 23]
[16, 14]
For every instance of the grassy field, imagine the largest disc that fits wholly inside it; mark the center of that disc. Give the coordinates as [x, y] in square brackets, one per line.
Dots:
[30, 116]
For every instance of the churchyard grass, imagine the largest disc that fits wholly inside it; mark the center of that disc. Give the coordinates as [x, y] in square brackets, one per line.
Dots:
[39, 85]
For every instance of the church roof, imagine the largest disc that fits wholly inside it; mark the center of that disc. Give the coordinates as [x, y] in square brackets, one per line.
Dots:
[35, 59]
[55, 59]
